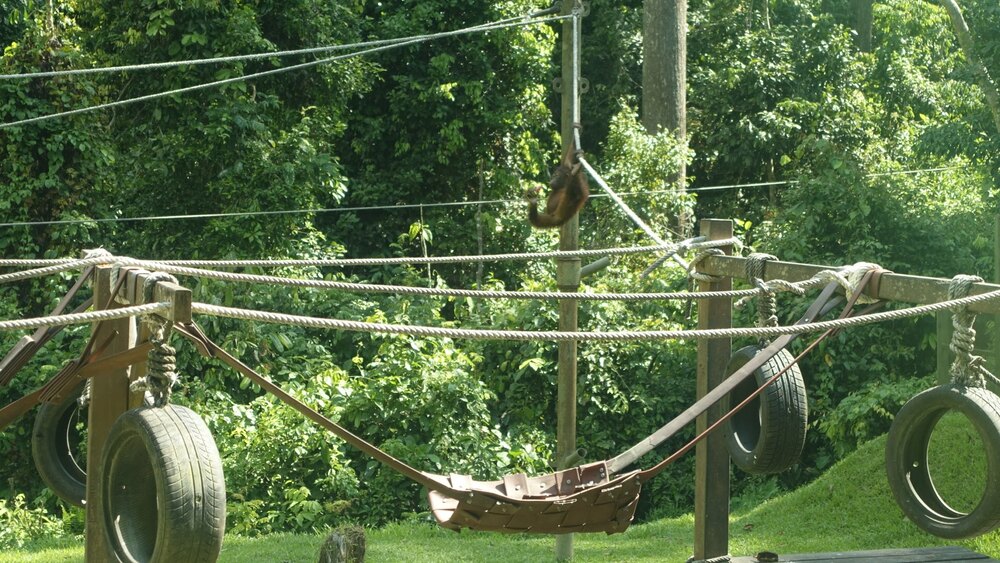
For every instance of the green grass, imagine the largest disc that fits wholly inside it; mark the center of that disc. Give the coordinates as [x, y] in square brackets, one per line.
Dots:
[848, 508]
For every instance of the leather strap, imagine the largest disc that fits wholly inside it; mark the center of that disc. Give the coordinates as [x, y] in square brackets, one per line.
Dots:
[649, 443]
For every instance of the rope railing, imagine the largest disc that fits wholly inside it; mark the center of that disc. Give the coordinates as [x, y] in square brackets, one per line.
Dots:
[690, 244]
[85, 318]
[355, 287]
[58, 265]
[583, 336]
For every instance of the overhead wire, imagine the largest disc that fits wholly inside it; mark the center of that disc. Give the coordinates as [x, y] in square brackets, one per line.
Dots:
[405, 206]
[148, 97]
[246, 57]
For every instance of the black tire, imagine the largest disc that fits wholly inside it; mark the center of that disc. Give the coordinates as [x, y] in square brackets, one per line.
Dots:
[163, 496]
[767, 435]
[908, 471]
[57, 446]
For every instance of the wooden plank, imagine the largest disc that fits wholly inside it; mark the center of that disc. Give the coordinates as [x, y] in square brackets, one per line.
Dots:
[711, 506]
[892, 287]
[904, 555]
[179, 297]
[109, 399]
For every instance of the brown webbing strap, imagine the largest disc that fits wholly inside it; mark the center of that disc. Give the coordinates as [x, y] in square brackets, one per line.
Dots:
[579, 499]
[54, 387]
[648, 474]
[649, 443]
[193, 332]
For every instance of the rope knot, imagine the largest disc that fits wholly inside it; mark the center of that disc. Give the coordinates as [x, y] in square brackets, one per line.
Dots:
[701, 255]
[850, 278]
[161, 363]
[767, 300]
[96, 253]
[968, 369]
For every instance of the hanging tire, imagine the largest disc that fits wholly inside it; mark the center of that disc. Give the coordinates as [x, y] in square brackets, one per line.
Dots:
[58, 448]
[908, 471]
[163, 496]
[768, 434]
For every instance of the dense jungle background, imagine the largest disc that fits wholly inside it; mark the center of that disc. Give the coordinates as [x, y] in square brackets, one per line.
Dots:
[875, 143]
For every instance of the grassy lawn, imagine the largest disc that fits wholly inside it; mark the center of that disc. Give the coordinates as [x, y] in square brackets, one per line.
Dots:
[848, 508]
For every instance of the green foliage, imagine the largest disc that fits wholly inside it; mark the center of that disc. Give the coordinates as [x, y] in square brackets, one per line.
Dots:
[775, 94]
[636, 163]
[446, 115]
[868, 412]
[20, 524]
[50, 171]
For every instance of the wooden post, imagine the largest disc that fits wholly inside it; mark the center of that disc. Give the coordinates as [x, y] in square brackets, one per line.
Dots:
[996, 279]
[110, 396]
[568, 271]
[711, 500]
[108, 400]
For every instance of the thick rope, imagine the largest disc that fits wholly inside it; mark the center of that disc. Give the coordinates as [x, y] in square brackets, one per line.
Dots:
[428, 291]
[84, 318]
[57, 268]
[161, 363]
[692, 244]
[767, 300]
[556, 336]
[692, 268]
[968, 369]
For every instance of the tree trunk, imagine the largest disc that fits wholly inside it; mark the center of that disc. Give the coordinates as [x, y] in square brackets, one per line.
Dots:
[863, 24]
[664, 76]
[967, 43]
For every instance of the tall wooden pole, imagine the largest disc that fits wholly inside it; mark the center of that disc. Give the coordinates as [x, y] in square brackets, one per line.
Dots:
[711, 494]
[568, 270]
[108, 400]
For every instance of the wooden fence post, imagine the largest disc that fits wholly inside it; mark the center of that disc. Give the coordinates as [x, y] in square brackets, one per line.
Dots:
[711, 500]
[108, 400]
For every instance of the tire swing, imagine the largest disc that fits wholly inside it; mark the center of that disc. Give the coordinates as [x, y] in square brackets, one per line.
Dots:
[906, 451]
[162, 491]
[767, 436]
[56, 446]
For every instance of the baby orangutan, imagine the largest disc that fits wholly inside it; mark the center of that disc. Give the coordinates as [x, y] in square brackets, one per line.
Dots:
[568, 191]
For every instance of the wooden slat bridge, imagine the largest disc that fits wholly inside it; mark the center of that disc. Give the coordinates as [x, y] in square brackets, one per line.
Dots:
[921, 555]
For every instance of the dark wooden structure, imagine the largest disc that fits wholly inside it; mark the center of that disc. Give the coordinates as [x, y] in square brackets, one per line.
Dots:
[951, 554]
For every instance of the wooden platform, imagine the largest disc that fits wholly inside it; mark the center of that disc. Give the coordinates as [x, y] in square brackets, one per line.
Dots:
[921, 555]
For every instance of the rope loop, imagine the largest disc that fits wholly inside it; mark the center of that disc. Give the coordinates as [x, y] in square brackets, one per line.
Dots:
[151, 281]
[767, 301]
[968, 369]
[698, 257]
[161, 363]
[850, 278]
[96, 253]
